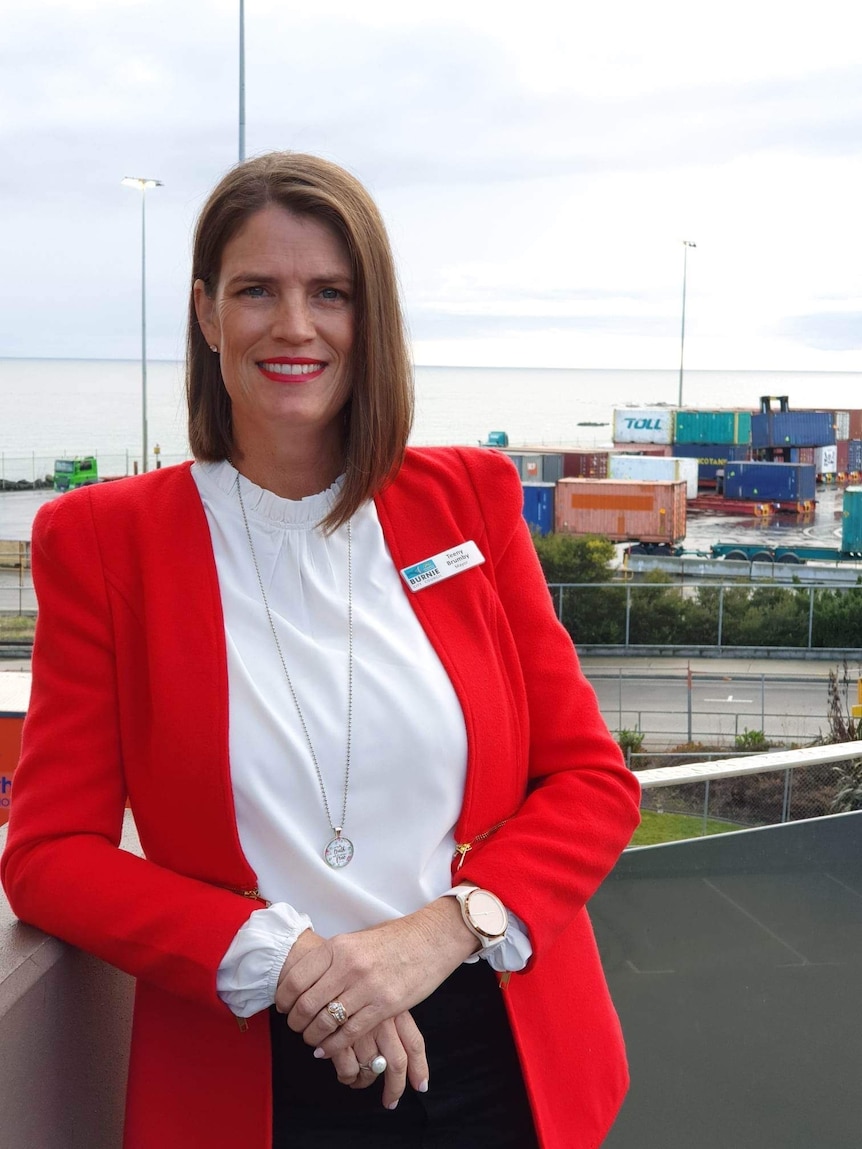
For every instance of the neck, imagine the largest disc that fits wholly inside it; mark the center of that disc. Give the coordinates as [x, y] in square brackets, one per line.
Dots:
[294, 472]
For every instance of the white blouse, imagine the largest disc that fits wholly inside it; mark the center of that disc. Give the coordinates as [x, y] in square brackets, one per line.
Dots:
[408, 740]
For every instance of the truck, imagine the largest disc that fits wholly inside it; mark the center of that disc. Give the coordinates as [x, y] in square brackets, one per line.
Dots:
[72, 473]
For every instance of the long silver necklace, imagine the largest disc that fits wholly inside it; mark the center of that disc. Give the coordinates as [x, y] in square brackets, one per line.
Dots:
[338, 851]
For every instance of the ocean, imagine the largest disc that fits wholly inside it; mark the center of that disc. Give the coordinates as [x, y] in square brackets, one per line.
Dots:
[53, 408]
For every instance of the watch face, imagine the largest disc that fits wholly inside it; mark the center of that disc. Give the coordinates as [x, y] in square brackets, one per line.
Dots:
[486, 913]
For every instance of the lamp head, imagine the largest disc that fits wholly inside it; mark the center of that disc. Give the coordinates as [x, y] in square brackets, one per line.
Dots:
[140, 183]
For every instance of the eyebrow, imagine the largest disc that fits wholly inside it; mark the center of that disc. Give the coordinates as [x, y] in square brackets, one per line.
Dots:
[246, 277]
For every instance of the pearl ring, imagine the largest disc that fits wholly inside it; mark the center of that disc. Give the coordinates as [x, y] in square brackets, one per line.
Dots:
[376, 1065]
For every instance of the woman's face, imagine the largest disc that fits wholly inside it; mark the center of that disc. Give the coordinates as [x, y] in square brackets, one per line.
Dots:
[282, 318]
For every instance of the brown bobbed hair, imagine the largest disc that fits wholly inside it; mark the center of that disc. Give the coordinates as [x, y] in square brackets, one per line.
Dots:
[379, 412]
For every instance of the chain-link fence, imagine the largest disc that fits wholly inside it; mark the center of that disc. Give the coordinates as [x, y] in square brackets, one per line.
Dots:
[747, 800]
[710, 616]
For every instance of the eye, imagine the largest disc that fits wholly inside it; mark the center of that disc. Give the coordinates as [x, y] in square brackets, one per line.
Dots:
[331, 294]
[254, 292]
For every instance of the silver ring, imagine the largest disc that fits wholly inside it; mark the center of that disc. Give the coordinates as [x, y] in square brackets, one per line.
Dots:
[337, 1012]
[376, 1065]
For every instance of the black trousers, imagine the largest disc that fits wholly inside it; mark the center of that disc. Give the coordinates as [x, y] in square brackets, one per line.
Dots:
[476, 1098]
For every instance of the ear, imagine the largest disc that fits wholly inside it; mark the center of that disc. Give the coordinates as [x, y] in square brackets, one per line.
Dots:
[205, 311]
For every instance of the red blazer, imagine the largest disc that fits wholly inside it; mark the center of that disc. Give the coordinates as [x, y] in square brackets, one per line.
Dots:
[130, 698]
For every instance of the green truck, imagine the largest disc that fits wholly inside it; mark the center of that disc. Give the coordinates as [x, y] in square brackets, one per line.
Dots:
[72, 473]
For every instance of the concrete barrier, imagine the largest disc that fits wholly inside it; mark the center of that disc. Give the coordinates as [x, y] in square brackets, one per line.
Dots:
[65, 1022]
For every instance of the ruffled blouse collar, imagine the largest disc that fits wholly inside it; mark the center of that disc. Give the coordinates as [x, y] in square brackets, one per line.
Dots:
[302, 514]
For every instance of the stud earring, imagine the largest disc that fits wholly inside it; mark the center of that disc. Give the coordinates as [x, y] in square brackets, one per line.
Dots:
[213, 347]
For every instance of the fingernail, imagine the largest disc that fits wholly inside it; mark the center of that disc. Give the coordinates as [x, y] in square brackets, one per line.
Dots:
[319, 1052]
[422, 1087]
[394, 1105]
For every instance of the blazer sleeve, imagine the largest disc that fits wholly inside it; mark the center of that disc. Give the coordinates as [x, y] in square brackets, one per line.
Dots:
[62, 869]
[582, 803]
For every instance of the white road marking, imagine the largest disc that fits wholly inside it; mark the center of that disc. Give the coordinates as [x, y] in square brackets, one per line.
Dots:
[729, 698]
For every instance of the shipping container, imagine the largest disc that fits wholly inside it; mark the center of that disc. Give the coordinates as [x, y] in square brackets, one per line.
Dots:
[851, 527]
[691, 426]
[539, 509]
[855, 424]
[585, 465]
[537, 466]
[854, 456]
[792, 429]
[826, 460]
[644, 425]
[842, 456]
[710, 457]
[657, 450]
[771, 482]
[650, 468]
[515, 457]
[622, 510]
[800, 455]
[14, 700]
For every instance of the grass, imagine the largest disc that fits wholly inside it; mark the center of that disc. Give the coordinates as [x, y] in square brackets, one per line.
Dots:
[657, 828]
[17, 626]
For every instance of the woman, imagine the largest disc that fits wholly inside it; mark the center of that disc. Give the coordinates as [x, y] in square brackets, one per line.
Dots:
[326, 672]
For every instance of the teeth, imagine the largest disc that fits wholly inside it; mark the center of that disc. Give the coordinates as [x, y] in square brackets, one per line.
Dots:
[292, 368]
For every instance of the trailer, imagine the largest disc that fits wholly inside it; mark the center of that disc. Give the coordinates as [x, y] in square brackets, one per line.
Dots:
[850, 550]
[760, 553]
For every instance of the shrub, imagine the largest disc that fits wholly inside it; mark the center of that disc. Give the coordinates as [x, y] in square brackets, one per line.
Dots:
[751, 740]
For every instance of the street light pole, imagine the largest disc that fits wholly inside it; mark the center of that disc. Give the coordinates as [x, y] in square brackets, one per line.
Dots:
[241, 80]
[142, 184]
[686, 244]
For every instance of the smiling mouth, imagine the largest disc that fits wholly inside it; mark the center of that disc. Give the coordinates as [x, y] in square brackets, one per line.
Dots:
[288, 370]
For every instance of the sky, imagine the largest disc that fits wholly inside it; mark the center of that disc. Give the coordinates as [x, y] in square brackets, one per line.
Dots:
[539, 166]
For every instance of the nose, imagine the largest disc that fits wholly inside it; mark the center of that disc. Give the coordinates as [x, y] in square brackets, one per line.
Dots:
[293, 322]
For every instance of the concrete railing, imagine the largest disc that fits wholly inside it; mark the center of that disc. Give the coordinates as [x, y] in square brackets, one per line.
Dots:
[65, 1020]
[65, 1017]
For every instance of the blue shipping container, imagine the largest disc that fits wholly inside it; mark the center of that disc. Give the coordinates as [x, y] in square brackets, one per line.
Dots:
[792, 429]
[774, 482]
[854, 455]
[851, 533]
[539, 506]
[710, 457]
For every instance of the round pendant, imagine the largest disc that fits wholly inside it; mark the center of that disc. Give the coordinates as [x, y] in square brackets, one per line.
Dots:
[338, 853]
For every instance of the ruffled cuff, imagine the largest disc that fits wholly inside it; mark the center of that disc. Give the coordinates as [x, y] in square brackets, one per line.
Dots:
[247, 976]
[512, 952]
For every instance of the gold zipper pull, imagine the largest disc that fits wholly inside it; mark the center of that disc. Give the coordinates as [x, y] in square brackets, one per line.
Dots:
[242, 1022]
[462, 850]
[504, 978]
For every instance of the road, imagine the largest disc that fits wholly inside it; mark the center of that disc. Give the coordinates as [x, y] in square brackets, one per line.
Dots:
[722, 705]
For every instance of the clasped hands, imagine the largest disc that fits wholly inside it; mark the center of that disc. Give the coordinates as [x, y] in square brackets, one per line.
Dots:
[378, 974]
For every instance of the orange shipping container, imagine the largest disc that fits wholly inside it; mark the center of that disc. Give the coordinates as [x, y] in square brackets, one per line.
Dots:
[623, 510]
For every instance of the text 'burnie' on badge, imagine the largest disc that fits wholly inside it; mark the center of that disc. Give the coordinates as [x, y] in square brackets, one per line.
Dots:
[442, 566]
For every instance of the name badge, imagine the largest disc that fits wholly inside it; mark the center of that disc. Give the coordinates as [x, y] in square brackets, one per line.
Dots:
[442, 566]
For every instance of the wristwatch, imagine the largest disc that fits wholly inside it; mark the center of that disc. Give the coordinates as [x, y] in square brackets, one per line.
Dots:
[484, 914]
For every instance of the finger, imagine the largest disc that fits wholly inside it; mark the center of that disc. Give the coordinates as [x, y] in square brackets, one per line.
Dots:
[414, 1046]
[338, 1038]
[395, 1077]
[310, 1006]
[346, 1066]
[364, 1051]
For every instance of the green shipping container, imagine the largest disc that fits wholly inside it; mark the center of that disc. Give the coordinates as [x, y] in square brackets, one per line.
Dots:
[851, 531]
[713, 427]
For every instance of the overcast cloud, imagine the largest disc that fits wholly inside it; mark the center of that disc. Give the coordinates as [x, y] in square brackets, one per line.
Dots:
[538, 166]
